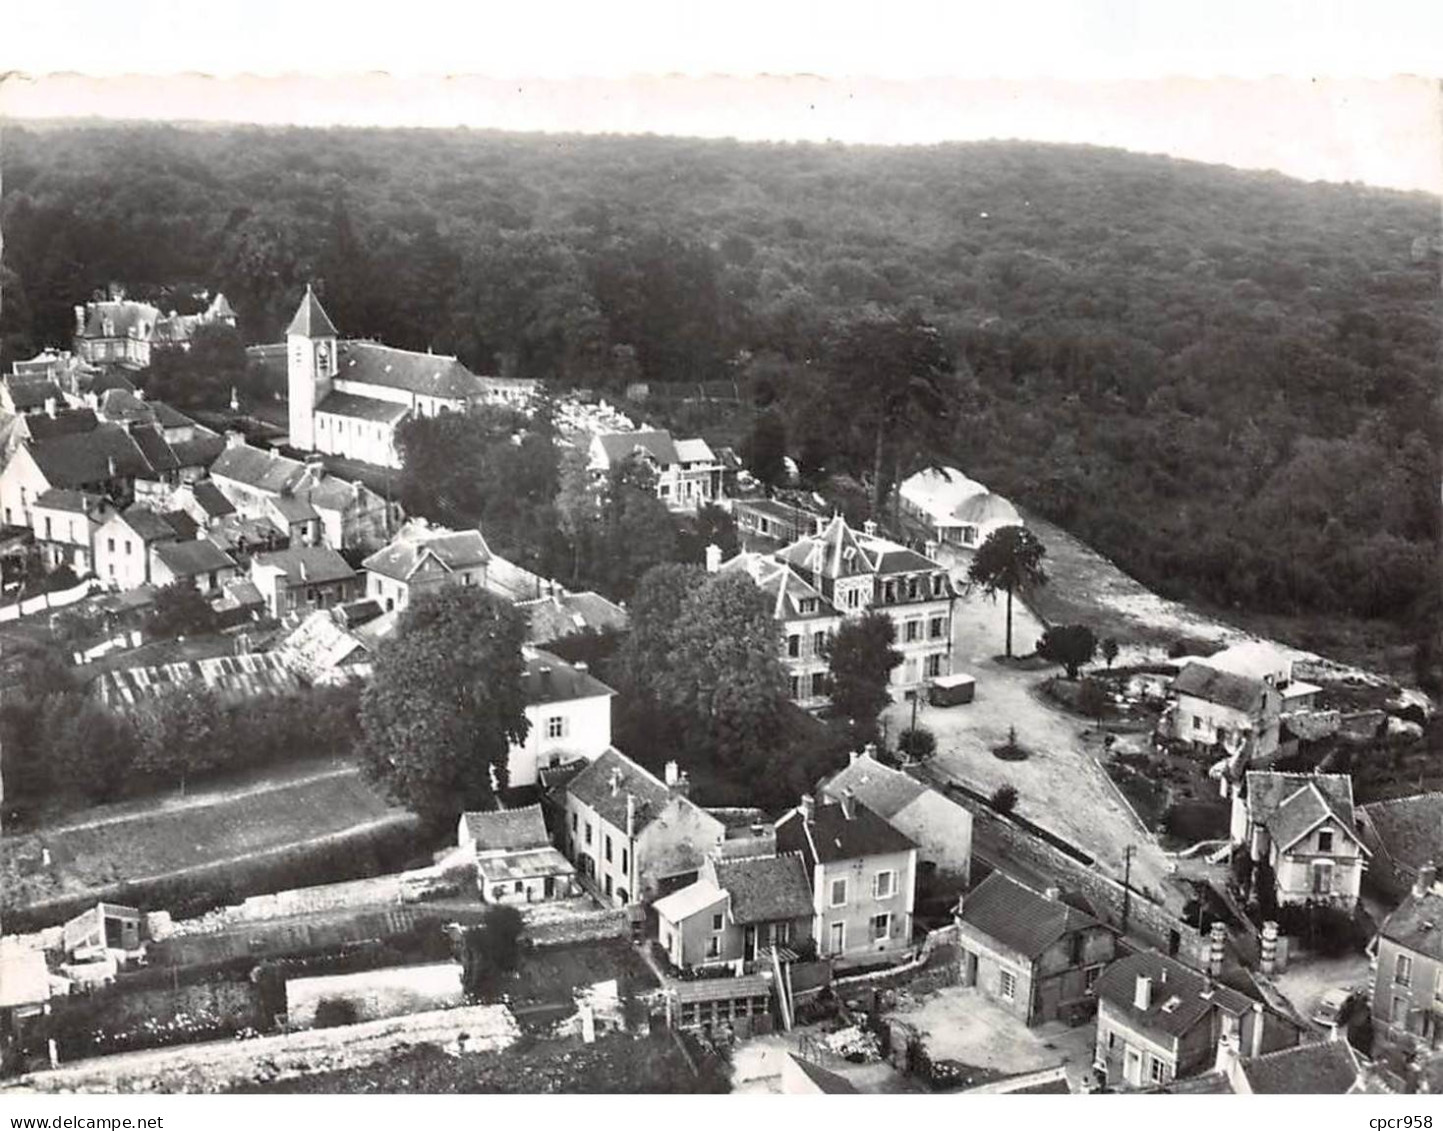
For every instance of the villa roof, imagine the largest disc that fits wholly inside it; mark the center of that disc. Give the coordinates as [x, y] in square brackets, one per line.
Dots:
[1289, 805]
[1018, 917]
[786, 590]
[507, 830]
[564, 614]
[1408, 829]
[605, 784]
[831, 835]
[1180, 998]
[451, 549]
[765, 889]
[1227, 689]
[620, 446]
[880, 788]
[550, 679]
[1417, 924]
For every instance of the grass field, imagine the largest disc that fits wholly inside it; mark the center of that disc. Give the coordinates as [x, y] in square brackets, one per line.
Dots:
[551, 974]
[141, 843]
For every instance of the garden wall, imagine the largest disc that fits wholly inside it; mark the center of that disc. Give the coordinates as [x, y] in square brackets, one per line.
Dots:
[572, 921]
[374, 994]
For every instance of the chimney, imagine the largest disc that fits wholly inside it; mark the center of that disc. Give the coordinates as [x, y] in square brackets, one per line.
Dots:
[1427, 874]
[1217, 942]
[853, 755]
[870, 750]
[615, 781]
[50, 407]
[808, 807]
[713, 558]
[849, 804]
[581, 666]
[304, 575]
[869, 528]
[235, 439]
[670, 774]
[79, 321]
[630, 816]
[1257, 1041]
[1142, 994]
[110, 466]
[1228, 1056]
[1052, 894]
[682, 788]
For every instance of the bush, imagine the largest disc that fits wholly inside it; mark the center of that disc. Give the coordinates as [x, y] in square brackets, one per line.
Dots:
[917, 745]
[335, 1011]
[492, 951]
[1004, 798]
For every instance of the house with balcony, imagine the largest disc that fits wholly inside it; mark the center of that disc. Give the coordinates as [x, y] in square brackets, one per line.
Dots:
[805, 619]
[862, 874]
[736, 911]
[688, 473]
[1033, 955]
[1303, 827]
[857, 571]
[1407, 994]
[632, 836]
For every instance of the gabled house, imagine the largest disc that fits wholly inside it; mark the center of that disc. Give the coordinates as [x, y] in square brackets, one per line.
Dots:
[199, 563]
[1239, 715]
[302, 578]
[1158, 1021]
[64, 523]
[1408, 974]
[120, 331]
[860, 571]
[862, 873]
[123, 546]
[560, 614]
[1302, 826]
[569, 712]
[805, 619]
[1032, 954]
[736, 911]
[1329, 1068]
[688, 474]
[631, 836]
[97, 931]
[1404, 836]
[515, 860]
[423, 557]
[941, 829]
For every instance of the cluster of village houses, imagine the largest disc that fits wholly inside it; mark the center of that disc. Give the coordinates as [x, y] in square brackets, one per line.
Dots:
[136, 495]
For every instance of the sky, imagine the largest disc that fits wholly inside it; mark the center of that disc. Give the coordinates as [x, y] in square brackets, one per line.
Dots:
[1326, 89]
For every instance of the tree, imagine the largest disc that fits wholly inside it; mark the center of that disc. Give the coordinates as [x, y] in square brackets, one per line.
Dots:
[764, 449]
[1004, 798]
[917, 745]
[446, 703]
[492, 950]
[653, 617]
[180, 733]
[1092, 699]
[1009, 560]
[91, 748]
[711, 527]
[1109, 650]
[861, 658]
[181, 610]
[1070, 645]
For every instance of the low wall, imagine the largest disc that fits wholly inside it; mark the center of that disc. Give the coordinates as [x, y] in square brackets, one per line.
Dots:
[573, 921]
[46, 601]
[375, 994]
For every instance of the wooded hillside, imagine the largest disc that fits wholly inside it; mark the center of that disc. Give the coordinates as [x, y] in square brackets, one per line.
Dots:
[1225, 381]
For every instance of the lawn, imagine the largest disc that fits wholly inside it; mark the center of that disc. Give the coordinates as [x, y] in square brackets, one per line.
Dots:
[1170, 791]
[550, 974]
[145, 843]
[617, 1064]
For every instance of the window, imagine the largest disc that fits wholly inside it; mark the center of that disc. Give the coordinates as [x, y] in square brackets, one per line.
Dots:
[854, 598]
[914, 630]
[520, 887]
[556, 726]
[1400, 1010]
[1007, 985]
[1325, 840]
[713, 946]
[839, 893]
[939, 584]
[625, 866]
[881, 926]
[1074, 949]
[794, 645]
[819, 683]
[573, 822]
[1403, 970]
[819, 642]
[588, 832]
[884, 885]
[889, 592]
[1323, 877]
[932, 666]
[110, 545]
[937, 628]
[781, 934]
[1155, 1069]
[716, 921]
[1111, 1041]
[607, 849]
[47, 527]
[807, 605]
[1089, 980]
[1196, 723]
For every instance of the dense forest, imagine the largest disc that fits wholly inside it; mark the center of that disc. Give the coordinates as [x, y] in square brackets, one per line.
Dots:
[1225, 381]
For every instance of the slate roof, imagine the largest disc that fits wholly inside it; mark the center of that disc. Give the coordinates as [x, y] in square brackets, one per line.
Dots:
[1227, 689]
[1018, 917]
[694, 451]
[550, 679]
[784, 588]
[294, 508]
[123, 404]
[840, 551]
[362, 408]
[259, 469]
[193, 558]
[152, 444]
[127, 319]
[1418, 924]
[80, 459]
[322, 564]
[1287, 805]
[832, 836]
[184, 526]
[1170, 979]
[828, 1083]
[200, 450]
[211, 500]
[454, 549]
[426, 374]
[563, 614]
[1409, 829]
[1328, 1069]
[882, 789]
[619, 446]
[63, 499]
[32, 392]
[765, 889]
[688, 901]
[593, 787]
[150, 526]
[310, 319]
[64, 423]
[507, 830]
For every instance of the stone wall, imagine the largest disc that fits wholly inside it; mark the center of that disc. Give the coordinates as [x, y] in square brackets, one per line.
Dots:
[573, 921]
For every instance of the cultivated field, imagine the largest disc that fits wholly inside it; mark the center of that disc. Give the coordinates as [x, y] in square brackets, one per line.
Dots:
[286, 813]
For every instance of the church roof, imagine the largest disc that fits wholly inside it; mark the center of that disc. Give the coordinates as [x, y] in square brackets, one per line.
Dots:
[311, 320]
[362, 408]
[427, 374]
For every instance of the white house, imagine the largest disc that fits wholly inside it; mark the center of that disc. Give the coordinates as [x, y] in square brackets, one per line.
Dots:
[1213, 708]
[688, 473]
[1303, 827]
[569, 710]
[123, 543]
[515, 860]
[422, 557]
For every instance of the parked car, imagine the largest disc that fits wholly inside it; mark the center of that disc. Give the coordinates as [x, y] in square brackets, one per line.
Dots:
[1335, 1007]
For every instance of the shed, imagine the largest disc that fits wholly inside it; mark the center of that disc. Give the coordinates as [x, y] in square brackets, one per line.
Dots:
[951, 690]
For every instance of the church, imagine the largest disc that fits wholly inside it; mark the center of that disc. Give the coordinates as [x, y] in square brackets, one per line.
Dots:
[347, 397]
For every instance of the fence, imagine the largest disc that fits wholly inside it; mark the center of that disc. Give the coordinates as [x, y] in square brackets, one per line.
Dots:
[46, 601]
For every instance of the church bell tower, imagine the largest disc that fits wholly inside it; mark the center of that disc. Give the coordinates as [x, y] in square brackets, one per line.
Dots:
[310, 367]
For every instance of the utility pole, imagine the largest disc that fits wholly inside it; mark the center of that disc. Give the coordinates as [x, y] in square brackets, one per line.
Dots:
[1127, 885]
